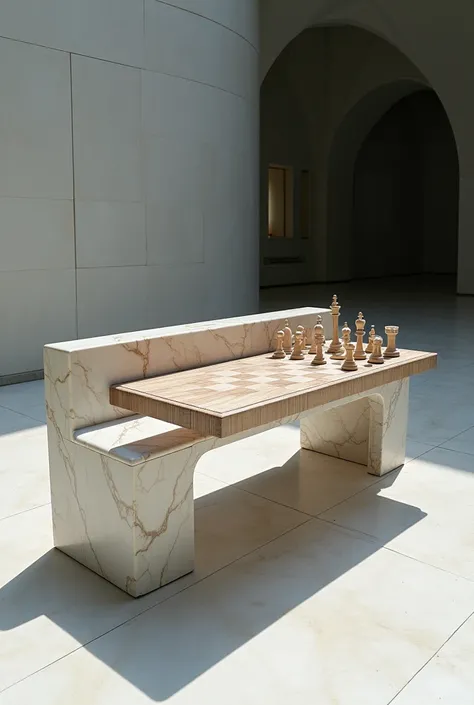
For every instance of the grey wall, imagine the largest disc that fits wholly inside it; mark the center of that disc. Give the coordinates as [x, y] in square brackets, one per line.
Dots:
[128, 170]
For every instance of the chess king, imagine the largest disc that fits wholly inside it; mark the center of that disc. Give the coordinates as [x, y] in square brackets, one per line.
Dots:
[336, 345]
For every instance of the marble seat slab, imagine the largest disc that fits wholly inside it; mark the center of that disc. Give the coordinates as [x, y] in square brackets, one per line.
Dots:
[136, 439]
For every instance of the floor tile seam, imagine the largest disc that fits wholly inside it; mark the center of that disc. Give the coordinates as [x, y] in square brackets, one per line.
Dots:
[157, 604]
[254, 494]
[373, 539]
[458, 576]
[338, 504]
[21, 413]
[24, 511]
[458, 434]
[333, 506]
[430, 659]
[452, 450]
[362, 535]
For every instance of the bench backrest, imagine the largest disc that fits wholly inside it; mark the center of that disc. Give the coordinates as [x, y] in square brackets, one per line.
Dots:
[78, 373]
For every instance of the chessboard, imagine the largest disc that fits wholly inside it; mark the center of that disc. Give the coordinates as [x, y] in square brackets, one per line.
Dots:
[229, 397]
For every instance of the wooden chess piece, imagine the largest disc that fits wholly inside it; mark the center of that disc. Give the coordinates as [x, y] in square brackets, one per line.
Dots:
[346, 339]
[279, 353]
[302, 330]
[360, 332]
[336, 345]
[377, 358]
[370, 345]
[346, 335]
[297, 353]
[391, 349]
[349, 364]
[308, 338]
[287, 338]
[319, 358]
[318, 330]
[312, 350]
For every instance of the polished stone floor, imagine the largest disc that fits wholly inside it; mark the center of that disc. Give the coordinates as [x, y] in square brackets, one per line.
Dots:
[316, 584]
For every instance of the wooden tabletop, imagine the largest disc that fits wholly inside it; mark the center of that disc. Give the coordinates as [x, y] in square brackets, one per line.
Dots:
[230, 397]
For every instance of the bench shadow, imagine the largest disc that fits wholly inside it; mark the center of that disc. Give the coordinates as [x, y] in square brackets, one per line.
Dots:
[197, 625]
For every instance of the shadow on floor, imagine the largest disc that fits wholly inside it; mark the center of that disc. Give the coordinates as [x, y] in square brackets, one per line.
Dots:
[166, 648]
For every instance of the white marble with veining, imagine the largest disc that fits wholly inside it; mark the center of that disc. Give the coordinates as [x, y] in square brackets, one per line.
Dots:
[133, 524]
[122, 485]
[370, 430]
[79, 373]
[122, 488]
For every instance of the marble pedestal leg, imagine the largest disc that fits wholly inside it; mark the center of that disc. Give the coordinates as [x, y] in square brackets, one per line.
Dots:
[131, 524]
[369, 429]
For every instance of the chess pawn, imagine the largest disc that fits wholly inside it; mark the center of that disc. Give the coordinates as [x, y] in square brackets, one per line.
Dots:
[349, 364]
[359, 353]
[279, 353]
[370, 345]
[391, 349]
[297, 353]
[336, 345]
[308, 338]
[287, 338]
[377, 358]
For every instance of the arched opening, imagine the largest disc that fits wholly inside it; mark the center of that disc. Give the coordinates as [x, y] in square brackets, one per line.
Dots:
[361, 162]
[406, 192]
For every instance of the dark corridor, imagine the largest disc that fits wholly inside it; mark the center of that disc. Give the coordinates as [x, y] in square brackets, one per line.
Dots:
[406, 191]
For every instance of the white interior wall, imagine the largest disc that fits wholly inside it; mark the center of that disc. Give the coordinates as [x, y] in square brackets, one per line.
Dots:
[437, 41]
[128, 167]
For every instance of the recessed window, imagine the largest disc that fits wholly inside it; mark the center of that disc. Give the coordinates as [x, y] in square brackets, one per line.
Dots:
[280, 201]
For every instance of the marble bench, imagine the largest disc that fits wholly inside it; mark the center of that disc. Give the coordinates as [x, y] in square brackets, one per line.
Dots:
[122, 484]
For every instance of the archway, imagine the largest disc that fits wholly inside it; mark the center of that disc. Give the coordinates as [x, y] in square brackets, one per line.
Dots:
[319, 101]
[398, 143]
[406, 193]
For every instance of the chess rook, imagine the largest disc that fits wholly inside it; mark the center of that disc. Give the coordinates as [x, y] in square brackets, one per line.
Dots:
[377, 358]
[359, 353]
[391, 349]
[336, 345]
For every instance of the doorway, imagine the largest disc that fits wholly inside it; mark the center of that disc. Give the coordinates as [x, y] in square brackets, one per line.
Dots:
[406, 192]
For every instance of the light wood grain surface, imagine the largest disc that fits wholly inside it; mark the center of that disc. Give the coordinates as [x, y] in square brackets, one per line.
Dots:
[224, 399]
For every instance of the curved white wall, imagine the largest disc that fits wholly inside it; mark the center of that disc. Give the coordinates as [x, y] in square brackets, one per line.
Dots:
[437, 41]
[128, 167]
